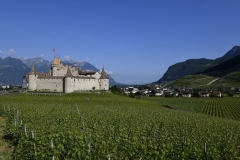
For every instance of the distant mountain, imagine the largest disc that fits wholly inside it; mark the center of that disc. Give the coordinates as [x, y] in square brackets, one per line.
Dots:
[82, 65]
[42, 65]
[224, 68]
[12, 71]
[187, 67]
[192, 66]
[235, 51]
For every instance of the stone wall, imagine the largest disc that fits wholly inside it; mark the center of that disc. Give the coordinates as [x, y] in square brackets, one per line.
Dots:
[80, 84]
[50, 84]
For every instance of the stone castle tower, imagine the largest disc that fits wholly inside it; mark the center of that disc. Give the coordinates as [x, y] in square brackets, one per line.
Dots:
[32, 85]
[66, 79]
[103, 80]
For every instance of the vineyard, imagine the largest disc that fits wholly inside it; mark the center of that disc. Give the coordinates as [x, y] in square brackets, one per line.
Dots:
[229, 108]
[220, 107]
[107, 126]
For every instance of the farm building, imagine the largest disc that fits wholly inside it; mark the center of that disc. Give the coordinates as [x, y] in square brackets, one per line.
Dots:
[65, 79]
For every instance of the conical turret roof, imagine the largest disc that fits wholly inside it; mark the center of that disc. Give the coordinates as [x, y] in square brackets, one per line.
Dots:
[69, 73]
[57, 61]
[33, 71]
[103, 74]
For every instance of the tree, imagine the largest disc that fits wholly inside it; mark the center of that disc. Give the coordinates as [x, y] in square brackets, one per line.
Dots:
[115, 89]
[132, 95]
[195, 94]
[230, 94]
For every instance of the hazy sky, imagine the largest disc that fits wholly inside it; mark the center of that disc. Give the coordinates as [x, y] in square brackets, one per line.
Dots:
[136, 40]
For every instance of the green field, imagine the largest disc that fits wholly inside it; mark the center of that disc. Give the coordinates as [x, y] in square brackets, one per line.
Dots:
[102, 126]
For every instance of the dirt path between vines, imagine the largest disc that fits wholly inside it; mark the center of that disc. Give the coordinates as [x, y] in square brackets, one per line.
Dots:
[5, 148]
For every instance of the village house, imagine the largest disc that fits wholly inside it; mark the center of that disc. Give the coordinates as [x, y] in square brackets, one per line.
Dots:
[204, 94]
[186, 93]
[217, 93]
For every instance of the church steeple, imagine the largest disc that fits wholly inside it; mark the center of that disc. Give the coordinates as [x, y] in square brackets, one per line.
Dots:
[103, 74]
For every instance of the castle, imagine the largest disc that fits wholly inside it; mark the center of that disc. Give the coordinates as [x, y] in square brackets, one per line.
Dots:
[66, 79]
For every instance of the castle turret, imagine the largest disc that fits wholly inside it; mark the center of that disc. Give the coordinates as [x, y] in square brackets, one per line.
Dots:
[68, 82]
[103, 80]
[32, 80]
[56, 64]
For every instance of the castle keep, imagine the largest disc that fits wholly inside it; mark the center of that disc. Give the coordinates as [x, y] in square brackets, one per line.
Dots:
[66, 79]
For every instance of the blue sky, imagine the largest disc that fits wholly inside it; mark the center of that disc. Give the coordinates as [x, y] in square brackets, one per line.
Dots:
[136, 40]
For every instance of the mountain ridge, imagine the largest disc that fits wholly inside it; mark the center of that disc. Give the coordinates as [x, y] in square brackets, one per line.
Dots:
[7, 76]
[12, 71]
[191, 66]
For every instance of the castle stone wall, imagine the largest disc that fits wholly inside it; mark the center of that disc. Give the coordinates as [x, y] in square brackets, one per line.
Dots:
[104, 84]
[51, 84]
[85, 84]
[59, 81]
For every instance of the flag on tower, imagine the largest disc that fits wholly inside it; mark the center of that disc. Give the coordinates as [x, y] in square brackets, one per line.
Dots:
[53, 49]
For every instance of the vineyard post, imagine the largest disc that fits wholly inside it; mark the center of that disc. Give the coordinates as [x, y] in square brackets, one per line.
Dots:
[34, 146]
[32, 135]
[205, 148]
[17, 115]
[52, 145]
[182, 142]
[25, 130]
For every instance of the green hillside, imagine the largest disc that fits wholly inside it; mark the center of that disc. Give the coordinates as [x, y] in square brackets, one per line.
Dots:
[204, 81]
[229, 80]
[224, 68]
[193, 81]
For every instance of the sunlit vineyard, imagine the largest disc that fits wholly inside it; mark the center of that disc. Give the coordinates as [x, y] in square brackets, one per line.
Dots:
[221, 107]
[107, 126]
[225, 108]
[188, 104]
